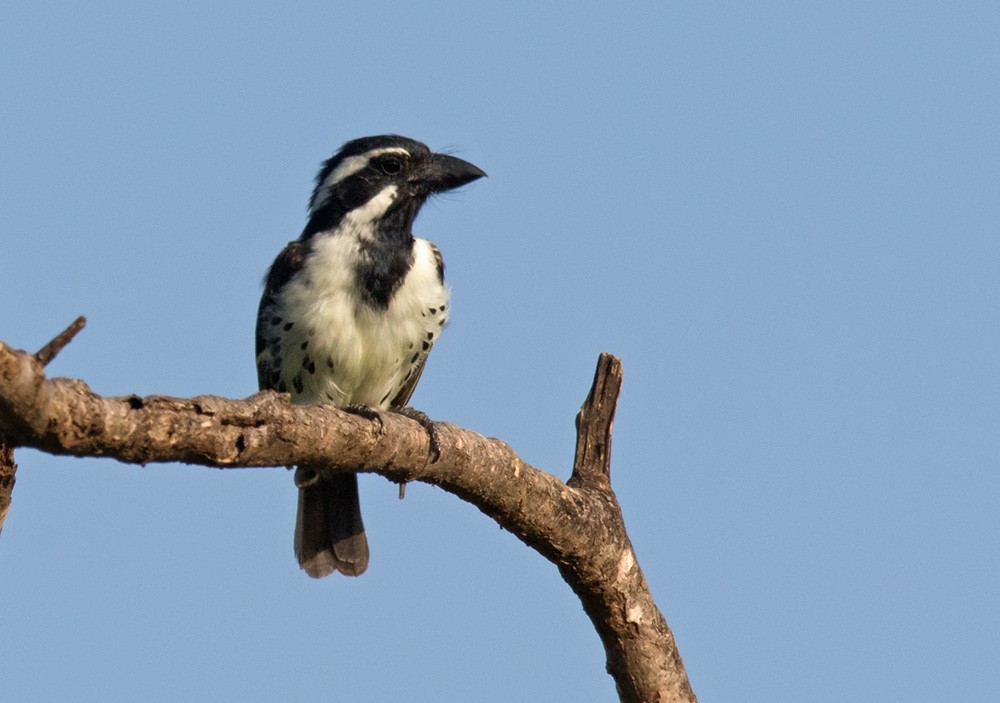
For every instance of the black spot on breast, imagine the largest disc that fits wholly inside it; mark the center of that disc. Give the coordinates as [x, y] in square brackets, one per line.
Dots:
[275, 321]
[427, 345]
[282, 388]
[274, 378]
[432, 310]
[329, 362]
[312, 367]
[305, 361]
[443, 307]
[304, 345]
[430, 335]
[414, 358]
[441, 324]
[289, 325]
[297, 383]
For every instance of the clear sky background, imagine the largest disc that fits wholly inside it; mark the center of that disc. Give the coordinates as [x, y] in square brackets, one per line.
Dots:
[783, 216]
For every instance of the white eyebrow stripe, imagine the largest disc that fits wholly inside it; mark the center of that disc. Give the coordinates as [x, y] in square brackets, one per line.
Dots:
[347, 168]
[353, 164]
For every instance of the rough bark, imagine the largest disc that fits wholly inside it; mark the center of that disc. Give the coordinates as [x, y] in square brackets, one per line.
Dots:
[8, 467]
[7, 470]
[577, 524]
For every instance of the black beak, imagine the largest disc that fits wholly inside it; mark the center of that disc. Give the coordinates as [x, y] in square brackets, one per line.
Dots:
[443, 172]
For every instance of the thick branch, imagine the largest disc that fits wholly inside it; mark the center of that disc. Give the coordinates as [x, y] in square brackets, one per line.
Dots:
[8, 467]
[578, 527]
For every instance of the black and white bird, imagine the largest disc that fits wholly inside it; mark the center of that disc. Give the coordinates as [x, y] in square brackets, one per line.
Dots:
[350, 312]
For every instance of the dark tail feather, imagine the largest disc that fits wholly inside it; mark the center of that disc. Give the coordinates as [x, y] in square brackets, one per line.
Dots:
[329, 534]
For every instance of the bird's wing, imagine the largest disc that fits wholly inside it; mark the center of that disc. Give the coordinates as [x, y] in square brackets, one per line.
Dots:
[403, 397]
[290, 260]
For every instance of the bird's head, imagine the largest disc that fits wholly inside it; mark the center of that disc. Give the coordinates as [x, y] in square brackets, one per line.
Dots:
[386, 176]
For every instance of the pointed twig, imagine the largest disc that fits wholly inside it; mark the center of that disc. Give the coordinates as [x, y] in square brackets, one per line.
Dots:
[592, 463]
[50, 350]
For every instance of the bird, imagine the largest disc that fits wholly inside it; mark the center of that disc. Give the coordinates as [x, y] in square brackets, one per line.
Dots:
[349, 313]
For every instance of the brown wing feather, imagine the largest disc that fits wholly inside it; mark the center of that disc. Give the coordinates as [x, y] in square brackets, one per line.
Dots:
[403, 397]
[289, 262]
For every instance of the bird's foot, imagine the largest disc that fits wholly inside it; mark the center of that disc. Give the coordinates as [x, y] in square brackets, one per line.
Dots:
[368, 413]
[433, 437]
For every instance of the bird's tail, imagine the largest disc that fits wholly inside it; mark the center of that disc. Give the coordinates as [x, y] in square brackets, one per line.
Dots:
[329, 534]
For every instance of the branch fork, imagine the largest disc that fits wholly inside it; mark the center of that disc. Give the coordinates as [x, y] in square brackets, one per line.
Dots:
[8, 468]
[577, 525]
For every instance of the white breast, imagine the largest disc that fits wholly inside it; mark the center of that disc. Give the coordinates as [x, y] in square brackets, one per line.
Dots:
[340, 348]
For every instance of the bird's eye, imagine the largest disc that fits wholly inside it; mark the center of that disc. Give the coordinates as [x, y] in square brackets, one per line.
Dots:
[390, 166]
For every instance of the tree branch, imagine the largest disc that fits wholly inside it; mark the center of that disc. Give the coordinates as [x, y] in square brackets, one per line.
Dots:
[592, 463]
[577, 525]
[8, 468]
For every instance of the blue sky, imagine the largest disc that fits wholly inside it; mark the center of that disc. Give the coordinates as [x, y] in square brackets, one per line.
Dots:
[783, 216]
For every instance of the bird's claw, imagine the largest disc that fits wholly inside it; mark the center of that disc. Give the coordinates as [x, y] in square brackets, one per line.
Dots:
[433, 436]
[369, 413]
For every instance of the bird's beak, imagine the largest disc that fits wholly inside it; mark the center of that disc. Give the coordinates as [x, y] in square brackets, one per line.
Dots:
[443, 172]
